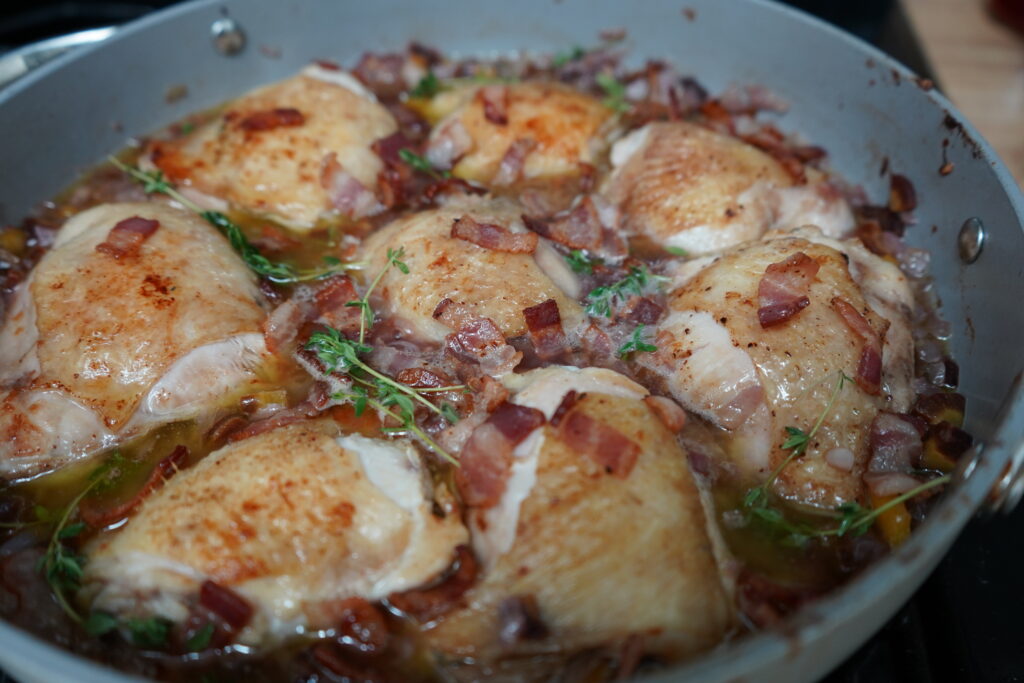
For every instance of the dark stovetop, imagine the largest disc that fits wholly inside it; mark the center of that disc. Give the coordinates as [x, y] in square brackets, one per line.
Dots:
[964, 624]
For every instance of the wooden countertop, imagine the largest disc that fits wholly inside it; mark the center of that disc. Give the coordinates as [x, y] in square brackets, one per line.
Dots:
[979, 64]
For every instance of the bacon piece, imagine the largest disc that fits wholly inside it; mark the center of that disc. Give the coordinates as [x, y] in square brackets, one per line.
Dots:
[603, 444]
[282, 325]
[494, 99]
[421, 378]
[231, 607]
[668, 411]
[568, 402]
[449, 144]
[331, 298]
[488, 391]
[281, 418]
[641, 310]
[510, 170]
[359, 624]
[782, 292]
[519, 620]
[427, 604]
[578, 228]
[388, 148]
[486, 458]
[493, 237]
[476, 339]
[902, 196]
[99, 518]
[344, 190]
[125, 239]
[545, 329]
[869, 367]
[280, 117]
[381, 73]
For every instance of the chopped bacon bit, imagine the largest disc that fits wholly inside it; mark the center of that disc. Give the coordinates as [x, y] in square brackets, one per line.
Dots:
[448, 143]
[381, 73]
[327, 64]
[358, 623]
[282, 325]
[766, 602]
[488, 391]
[331, 299]
[475, 338]
[603, 444]
[279, 419]
[578, 228]
[519, 619]
[448, 187]
[869, 368]
[226, 604]
[567, 403]
[164, 470]
[486, 458]
[782, 292]
[668, 411]
[388, 148]
[421, 378]
[344, 190]
[219, 433]
[426, 604]
[641, 310]
[902, 196]
[510, 170]
[495, 101]
[545, 329]
[281, 117]
[125, 239]
[493, 237]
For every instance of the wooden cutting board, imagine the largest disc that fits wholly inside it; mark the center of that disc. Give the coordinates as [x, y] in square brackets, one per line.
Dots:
[979, 65]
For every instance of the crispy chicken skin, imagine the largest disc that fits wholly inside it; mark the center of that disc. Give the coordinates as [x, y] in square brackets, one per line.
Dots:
[99, 348]
[292, 519]
[683, 185]
[605, 557]
[277, 166]
[718, 361]
[492, 284]
[565, 125]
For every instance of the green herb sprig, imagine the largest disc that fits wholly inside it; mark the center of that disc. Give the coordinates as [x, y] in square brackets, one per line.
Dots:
[614, 91]
[581, 262]
[394, 257]
[571, 55]
[601, 300]
[428, 86]
[421, 164]
[281, 273]
[636, 344]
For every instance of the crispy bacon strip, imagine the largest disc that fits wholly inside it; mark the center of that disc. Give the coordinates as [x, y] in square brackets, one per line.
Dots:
[344, 190]
[494, 99]
[578, 228]
[782, 292]
[869, 368]
[545, 329]
[125, 239]
[486, 457]
[603, 444]
[99, 518]
[510, 170]
[331, 298]
[280, 117]
[668, 411]
[426, 604]
[641, 310]
[493, 237]
[226, 604]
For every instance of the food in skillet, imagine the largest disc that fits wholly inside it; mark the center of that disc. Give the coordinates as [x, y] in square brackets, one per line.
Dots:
[449, 370]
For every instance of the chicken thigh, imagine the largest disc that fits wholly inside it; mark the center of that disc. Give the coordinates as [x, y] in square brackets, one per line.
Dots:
[101, 345]
[293, 520]
[724, 356]
[297, 151]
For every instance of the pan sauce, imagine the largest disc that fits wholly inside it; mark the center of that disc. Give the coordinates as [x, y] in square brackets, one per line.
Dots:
[584, 558]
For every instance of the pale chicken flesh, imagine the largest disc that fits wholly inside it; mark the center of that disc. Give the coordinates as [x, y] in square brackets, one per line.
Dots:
[293, 520]
[605, 558]
[107, 348]
[718, 361]
[311, 164]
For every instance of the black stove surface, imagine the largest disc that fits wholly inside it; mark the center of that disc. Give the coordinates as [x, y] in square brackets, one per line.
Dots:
[966, 623]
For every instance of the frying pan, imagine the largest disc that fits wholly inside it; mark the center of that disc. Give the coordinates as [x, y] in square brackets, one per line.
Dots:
[863, 107]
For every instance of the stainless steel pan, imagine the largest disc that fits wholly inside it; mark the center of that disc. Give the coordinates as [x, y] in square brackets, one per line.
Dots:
[845, 95]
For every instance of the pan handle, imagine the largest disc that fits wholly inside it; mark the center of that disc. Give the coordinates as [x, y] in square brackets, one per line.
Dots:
[1008, 490]
[17, 63]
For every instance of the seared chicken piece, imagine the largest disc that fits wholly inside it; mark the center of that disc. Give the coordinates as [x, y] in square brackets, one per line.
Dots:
[487, 283]
[555, 127]
[603, 556]
[99, 347]
[292, 520]
[756, 381]
[683, 185]
[297, 151]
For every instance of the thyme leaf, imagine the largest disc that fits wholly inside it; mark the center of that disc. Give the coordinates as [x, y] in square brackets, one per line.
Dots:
[428, 86]
[601, 300]
[636, 344]
[418, 163]
[615, 92]
[581, 263]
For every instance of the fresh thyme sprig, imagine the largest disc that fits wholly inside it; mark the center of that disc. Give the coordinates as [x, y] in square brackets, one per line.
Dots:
[372, 388]
[421, 164]
[615, 92]
[601, 299]
[428, 86]
[571, 55]
[282, 273]
[636, 344]
[582, 263]
[394, 257]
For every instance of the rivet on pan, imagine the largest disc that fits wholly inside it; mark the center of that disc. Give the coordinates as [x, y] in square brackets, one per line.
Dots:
[228, 36]
[971, 239]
